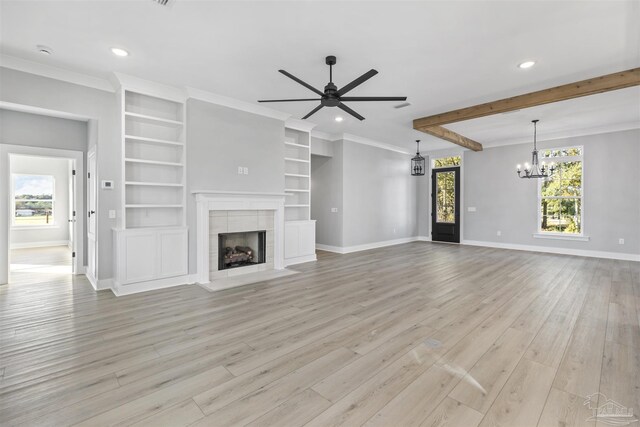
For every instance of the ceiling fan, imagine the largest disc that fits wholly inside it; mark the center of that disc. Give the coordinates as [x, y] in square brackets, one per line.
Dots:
[334, 97]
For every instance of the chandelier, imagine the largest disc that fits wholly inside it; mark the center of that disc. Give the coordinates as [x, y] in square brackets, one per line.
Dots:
[417, 163]
[535, 170]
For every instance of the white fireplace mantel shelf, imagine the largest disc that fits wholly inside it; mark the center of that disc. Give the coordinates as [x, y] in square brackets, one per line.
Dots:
[212, 200]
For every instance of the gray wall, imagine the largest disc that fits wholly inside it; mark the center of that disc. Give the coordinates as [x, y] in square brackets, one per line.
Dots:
[59, 169]
[509, 204]
[373, 191]
[17, 128]
[219, 139]
[104, 131]
[379, 195]
[326, 193]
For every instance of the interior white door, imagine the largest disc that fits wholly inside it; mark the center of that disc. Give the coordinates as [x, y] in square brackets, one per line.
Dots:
[73, 232]
[91, 216]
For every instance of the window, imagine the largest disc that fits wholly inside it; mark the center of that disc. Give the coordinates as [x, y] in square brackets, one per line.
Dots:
[560, 196]
[445, 162]
[33, 200]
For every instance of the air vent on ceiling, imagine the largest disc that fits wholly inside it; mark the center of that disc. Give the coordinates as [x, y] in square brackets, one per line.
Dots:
[404, 104]
[163, 2]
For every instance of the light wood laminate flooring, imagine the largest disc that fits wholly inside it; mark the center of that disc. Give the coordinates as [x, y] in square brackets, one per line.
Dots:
[420, 334]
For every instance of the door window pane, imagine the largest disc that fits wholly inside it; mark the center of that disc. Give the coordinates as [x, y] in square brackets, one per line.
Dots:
[445, 197]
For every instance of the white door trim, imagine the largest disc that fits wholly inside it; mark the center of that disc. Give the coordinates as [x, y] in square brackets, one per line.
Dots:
[5, 208]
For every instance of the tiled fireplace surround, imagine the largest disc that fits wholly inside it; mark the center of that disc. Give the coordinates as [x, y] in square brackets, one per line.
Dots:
[229, 212]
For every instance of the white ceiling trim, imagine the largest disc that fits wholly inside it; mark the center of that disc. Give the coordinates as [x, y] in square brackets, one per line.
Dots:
[150, 88]
[62, 74]
[358, 140]
[597, 130]
[372, 143]
[42, 111]
[236, 104]
[297, 124]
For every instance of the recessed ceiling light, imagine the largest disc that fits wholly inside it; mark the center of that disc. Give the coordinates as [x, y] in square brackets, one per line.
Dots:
[339, 119]
[45, 50]
[526, 64]
[119, 52]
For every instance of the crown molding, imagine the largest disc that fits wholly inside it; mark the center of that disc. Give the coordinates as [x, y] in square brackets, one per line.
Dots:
[358, 140]
[236, 104]
[148, 87]
[297, 124]
[324, 135]
[573, 133]
[39, 69]
[42, 111]
[372, 143]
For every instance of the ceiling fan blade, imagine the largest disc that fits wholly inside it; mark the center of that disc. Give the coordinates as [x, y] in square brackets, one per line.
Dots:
[373, 98]
[307, 85]
[363, 78]
[312, 112]
[288, 100]
[350, 111]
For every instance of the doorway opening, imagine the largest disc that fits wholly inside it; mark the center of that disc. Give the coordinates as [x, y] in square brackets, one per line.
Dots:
[445, 200]
[42, 216]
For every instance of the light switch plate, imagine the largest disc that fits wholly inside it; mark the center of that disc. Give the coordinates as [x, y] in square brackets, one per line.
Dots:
[112, 214]
[246, 171]
[334, 210]
[471, 209]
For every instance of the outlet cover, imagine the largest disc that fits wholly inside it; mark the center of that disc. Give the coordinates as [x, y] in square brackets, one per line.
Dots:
[621, 241]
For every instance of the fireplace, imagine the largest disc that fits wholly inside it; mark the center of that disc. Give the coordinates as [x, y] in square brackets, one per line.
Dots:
[241, 249]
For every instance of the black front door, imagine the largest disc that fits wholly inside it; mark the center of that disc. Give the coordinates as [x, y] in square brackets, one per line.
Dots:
[445, 205]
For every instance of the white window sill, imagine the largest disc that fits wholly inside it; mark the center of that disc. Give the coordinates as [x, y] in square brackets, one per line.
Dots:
[34, 227]
[558, 236]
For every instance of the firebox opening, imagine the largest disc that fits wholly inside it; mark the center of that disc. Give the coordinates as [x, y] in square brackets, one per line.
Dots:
[241, 249]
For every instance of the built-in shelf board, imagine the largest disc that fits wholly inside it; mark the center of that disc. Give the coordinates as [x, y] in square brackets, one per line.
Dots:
[154, 148]
[153, 162]
[291, 159]
[154, 184]
[152, 119]
[151, 205]
[296, 175]
[152, 140]
[296, 206]
[295, 190]
[293, 144]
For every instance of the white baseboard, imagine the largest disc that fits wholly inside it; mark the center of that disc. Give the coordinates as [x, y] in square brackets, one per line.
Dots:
[552, 250]
[134, 288]
[299, 260]
[43, 244]
[367, 246]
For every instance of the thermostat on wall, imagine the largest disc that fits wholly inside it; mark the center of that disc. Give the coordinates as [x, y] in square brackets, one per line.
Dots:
[107, 185]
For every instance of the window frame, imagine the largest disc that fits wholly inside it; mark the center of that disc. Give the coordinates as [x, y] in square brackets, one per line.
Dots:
[565, 159]
[14, 225]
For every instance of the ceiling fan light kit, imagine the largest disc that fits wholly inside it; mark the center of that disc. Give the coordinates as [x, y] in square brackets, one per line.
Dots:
[332, 95]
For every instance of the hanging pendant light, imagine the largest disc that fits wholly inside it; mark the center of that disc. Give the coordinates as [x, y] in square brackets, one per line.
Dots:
[535, 170]
[418, 163]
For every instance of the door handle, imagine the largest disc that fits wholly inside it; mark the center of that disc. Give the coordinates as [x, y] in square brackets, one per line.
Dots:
[72, 220]
[91, 213]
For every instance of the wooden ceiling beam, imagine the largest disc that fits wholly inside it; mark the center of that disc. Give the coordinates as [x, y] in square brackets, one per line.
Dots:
[451, 136]
[609, 82]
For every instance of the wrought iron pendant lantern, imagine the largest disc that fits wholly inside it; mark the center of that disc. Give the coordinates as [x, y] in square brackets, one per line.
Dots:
[418, 163]
[535, 170]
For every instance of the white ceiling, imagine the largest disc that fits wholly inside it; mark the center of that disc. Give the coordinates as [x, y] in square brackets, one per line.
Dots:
[441, 54]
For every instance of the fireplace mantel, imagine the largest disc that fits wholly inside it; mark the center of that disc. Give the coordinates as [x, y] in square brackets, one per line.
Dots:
[212, 200]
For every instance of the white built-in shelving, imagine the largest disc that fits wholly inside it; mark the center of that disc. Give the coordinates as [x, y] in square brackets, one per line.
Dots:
[153, 160]
[299, 228]
[297, 164]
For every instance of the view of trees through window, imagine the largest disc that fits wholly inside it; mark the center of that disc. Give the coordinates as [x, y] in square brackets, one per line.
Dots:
[444, 162]
[33, 199]
[561, 194]
[445, 197]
